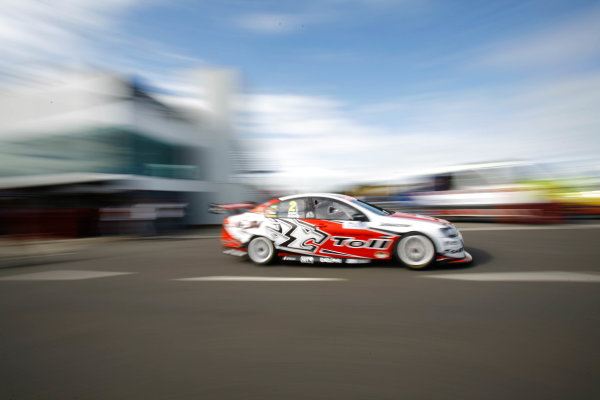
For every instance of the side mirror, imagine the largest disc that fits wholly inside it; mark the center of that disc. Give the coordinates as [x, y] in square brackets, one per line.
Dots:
[360, 217]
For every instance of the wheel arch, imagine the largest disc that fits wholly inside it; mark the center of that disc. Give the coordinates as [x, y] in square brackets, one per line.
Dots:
[397, 257]
[434, 240]
[274, 255]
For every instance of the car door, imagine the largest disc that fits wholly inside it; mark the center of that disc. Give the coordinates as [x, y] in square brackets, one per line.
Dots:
[346, 228]
[289, 231]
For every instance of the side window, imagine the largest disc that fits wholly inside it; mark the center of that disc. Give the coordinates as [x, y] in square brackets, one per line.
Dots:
[295, 208]
[332, 209]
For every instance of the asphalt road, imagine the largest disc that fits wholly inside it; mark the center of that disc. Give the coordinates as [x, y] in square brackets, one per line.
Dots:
[379, 332]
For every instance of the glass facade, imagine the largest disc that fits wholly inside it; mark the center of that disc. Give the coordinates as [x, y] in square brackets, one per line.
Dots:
[111, 150]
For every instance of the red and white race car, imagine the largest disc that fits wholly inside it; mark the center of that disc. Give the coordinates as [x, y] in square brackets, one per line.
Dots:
[336, 229]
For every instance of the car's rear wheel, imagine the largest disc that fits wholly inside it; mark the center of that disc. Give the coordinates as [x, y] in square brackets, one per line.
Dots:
[261, 250]
[416, 251]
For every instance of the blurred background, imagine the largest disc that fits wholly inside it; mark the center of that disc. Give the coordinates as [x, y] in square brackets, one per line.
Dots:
[132, 117]
[123, 123]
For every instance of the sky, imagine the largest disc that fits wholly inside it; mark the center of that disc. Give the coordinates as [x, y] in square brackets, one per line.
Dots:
[347, 90]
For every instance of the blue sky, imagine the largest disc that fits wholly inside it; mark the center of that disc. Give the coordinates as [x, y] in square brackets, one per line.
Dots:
[362, 51]
[347, 89]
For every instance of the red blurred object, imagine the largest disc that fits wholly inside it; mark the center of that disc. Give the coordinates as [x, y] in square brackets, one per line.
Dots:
[53, 223]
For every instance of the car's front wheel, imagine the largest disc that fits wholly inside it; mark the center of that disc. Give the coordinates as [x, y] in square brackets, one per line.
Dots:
[261, 250]
[416, 251]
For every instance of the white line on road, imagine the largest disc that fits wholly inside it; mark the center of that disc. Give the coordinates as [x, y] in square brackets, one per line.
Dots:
[540, 276]
[528, 228]
[256, 279]
[62, 275]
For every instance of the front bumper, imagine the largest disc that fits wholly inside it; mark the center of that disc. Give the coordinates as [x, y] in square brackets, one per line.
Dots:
[449, 260]
[241, 252]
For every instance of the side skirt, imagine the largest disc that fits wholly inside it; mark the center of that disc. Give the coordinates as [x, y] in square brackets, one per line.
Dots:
[322, 260]
[236, 252]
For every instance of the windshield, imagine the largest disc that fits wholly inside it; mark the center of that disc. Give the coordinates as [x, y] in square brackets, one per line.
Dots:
[371, 207]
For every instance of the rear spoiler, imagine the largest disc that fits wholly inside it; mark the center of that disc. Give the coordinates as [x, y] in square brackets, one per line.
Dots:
[230, 208]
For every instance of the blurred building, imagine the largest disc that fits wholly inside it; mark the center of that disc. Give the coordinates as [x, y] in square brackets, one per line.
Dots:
[98, 152]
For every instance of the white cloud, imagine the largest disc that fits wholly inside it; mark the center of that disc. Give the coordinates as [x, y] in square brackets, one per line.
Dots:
[38, 38]
[286, 115]
[317, 139]
[308, 14]
[270, 22]
[35, 33]
[563, 44]
[35, 24]
[311, 13]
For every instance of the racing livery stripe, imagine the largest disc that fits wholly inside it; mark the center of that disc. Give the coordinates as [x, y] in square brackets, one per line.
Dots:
[379, 230]
[296, 251]
[337, 253]
[417, 217]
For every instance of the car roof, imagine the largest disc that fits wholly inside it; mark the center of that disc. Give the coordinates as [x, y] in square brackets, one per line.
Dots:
[336, 196]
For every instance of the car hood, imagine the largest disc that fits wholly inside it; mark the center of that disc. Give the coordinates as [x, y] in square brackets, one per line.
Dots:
[418, 217]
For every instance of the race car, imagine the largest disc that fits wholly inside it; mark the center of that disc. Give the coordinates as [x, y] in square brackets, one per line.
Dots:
[338, 229]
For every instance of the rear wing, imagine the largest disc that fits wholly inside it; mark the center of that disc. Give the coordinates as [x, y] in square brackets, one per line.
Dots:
[230, 208]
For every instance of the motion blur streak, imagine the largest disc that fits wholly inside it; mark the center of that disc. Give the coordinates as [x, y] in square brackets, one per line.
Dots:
[129, 129]
[548, 276]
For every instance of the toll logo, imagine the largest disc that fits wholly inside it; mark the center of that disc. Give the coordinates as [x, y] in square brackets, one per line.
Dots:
[343, 241]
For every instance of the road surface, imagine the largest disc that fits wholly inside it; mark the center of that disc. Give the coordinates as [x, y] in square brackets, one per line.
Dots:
[177, 319]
